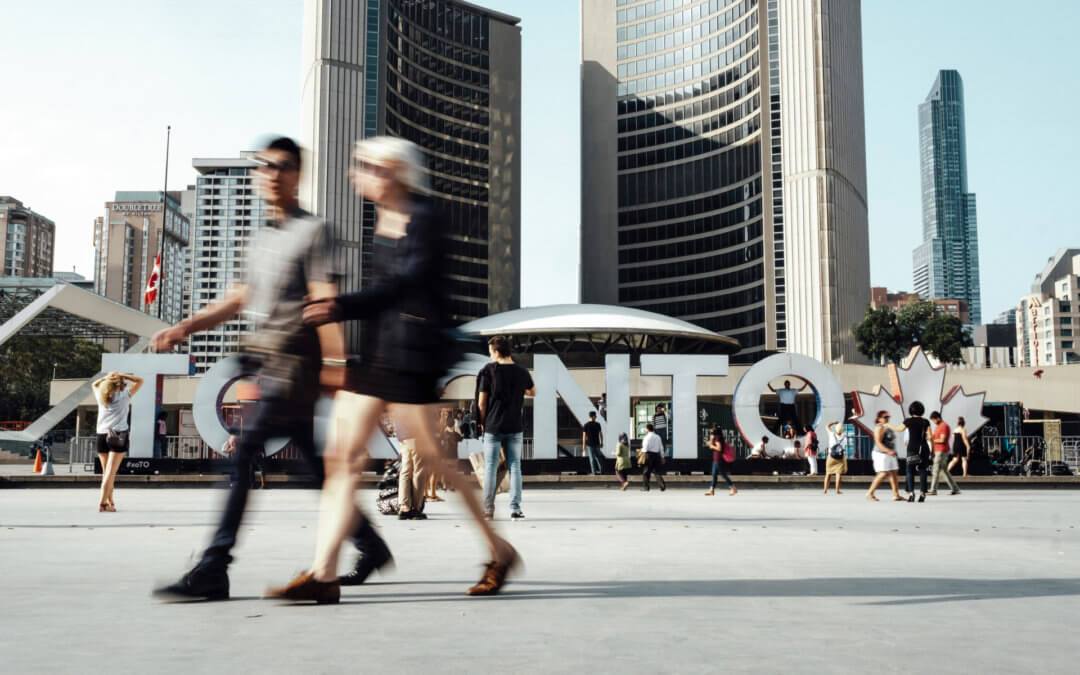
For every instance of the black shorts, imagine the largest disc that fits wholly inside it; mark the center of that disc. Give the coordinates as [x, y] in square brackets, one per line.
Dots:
[103, 445]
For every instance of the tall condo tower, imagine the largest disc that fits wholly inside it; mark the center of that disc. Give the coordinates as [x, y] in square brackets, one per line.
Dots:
[723, 168]
[946, 264]
[445, 75]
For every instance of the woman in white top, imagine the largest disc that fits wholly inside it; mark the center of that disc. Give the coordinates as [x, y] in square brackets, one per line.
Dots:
[884, 455]
[114, 401]
[835, 466]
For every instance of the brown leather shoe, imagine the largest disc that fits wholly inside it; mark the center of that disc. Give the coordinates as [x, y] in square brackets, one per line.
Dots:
[306, 588]
[495, 574]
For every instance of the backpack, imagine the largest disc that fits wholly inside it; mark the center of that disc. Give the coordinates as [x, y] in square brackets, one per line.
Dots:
[728, 454]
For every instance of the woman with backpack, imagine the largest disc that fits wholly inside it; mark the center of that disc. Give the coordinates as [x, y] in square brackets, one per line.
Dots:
[836, 462]
[723, 454]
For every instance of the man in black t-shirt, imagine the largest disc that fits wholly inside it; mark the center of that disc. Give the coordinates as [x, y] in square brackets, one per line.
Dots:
[592, 438]
[502, 388]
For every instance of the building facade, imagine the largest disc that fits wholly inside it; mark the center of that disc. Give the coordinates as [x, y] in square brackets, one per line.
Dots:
[228, 213]
[28, 240]
[1048, 318]
[946, 264]
[723, 168]
[881, 297]
[445, 75]
[127, 240]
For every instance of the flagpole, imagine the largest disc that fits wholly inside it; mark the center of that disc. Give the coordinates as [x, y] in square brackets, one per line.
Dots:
[164, 219]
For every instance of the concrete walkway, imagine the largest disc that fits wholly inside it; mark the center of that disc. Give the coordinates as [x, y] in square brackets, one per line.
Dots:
[773, 581]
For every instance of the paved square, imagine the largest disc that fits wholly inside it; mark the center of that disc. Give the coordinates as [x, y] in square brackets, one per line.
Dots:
[768, 581]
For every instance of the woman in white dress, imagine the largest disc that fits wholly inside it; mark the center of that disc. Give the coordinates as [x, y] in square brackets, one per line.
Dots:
[114, 401]
[885, 462]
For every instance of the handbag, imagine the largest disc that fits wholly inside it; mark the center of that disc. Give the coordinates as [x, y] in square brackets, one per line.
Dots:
[116, 440]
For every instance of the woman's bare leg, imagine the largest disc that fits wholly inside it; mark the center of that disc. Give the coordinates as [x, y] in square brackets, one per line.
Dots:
[417, 417]
[353, 420]
[876, 483]
[827, 483]
[838, 483]
[103, 457]
[115, 459]
[894, 483]
[965, 460]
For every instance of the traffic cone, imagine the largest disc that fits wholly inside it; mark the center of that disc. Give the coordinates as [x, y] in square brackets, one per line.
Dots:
[37, 462]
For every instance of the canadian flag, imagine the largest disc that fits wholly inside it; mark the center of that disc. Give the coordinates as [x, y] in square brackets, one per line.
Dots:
[152, 282]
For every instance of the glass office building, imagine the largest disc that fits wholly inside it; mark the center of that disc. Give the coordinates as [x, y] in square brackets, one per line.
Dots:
[445, 75]
[946, 264]
[685, 179]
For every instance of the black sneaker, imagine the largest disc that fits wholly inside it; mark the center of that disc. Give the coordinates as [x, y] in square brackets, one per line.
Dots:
[517, 515]
[373, 555]
[922, 497]
[197, 584]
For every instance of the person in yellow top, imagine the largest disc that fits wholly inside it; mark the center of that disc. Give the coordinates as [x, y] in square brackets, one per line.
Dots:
[622, 461]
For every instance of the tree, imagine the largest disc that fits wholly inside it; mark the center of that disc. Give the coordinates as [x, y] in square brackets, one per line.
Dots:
[887, 334]
[26, 368]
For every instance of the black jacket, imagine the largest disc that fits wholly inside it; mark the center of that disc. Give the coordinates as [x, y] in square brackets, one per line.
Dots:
[404, 306]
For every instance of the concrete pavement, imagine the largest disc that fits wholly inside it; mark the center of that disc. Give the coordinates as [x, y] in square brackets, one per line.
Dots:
[767, 581]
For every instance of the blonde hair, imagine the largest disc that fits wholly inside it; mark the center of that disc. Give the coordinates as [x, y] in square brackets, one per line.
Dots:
[403, 157]
[110, 387]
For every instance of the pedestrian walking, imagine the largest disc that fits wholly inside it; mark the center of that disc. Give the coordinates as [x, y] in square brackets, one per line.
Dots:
[622, 461]
[412, 476]
[723, 454]
[961, 446]
[405, 351]
[941, 436]
[113, 394]
[884, 456]
[501, 399]
[653, 449]
[836, 461]
[810, 443]
[592, 439]
[290, 261]
[918, 449]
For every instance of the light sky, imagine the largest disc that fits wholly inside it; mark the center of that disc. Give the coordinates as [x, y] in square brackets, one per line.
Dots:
[90, 87]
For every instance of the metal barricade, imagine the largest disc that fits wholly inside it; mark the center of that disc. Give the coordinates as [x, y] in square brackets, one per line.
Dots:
[1017, 455]
[82, 451]
[1070, 452]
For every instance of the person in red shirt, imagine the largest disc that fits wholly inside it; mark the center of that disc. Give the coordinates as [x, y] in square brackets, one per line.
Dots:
[941, 435]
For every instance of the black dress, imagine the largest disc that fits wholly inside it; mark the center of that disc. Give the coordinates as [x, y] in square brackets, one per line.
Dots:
[958, 447]
[404, 348]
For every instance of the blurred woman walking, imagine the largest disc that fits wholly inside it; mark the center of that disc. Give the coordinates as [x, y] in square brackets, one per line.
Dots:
[723, 454]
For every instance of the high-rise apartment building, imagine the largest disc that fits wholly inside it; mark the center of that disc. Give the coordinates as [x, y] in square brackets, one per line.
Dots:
[445, 75]
[723, 168]
[28, 239]
[228, 212]
[1048, 319]
[127, 240]
[946, 264]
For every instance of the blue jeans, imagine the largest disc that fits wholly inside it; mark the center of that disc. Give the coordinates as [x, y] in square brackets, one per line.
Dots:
[492, 443]
[596, 459]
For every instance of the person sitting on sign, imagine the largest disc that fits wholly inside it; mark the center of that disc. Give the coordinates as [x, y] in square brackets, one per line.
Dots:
[761, 450]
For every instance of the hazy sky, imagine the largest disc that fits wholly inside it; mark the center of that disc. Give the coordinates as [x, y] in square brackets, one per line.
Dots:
[90, 86]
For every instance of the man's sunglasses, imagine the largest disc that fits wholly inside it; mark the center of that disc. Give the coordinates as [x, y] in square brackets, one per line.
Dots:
[267, 165]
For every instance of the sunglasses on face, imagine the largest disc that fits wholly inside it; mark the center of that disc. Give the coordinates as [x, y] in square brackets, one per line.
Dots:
[267, 166]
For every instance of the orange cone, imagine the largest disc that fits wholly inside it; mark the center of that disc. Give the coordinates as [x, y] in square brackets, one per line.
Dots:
[37, 463]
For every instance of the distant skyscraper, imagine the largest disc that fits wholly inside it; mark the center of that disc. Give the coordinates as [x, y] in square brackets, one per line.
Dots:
[723, 168]
[28, 239]
[946, 264]
[126, 242]
[446, 75]
[228, 212]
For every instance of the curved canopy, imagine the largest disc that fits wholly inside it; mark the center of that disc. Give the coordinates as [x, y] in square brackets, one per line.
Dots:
[590, 331]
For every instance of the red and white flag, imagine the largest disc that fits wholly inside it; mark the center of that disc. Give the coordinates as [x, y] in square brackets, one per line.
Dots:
[152, 282]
